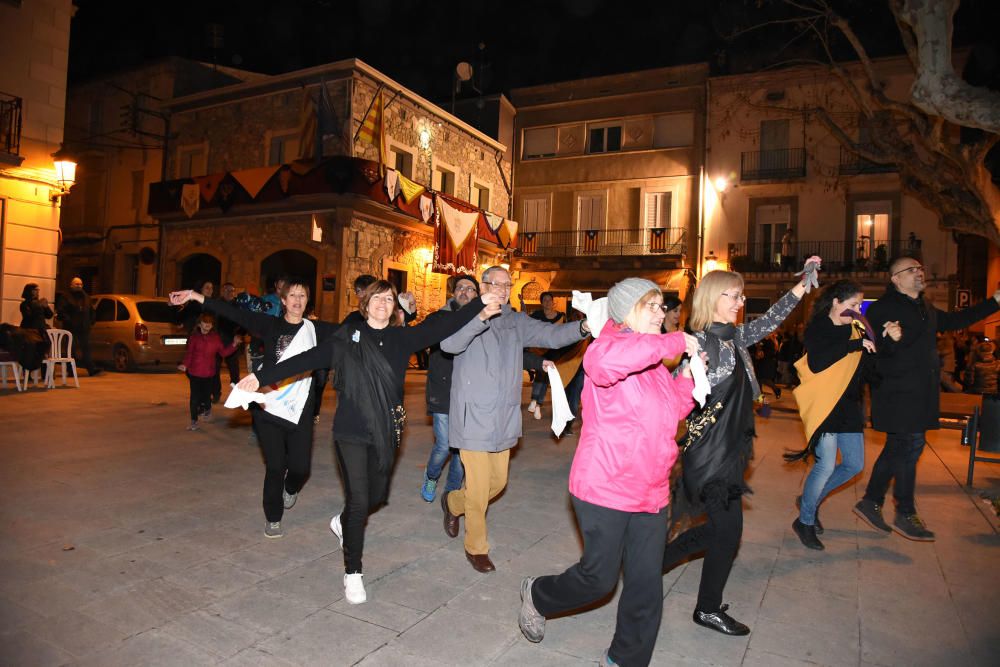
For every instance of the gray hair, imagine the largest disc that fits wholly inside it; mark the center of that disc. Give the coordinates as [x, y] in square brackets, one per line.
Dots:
[493, 269]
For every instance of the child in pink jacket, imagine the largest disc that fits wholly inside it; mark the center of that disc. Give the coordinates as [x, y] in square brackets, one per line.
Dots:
[620, 480]
[203, 345]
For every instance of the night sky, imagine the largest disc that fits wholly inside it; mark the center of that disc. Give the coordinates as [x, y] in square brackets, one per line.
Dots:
[418, 43]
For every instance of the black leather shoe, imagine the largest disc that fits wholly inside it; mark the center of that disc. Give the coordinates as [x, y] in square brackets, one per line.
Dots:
[480, 562]
[807, 535]
[819, 524]
[722, 622]
[450, 520]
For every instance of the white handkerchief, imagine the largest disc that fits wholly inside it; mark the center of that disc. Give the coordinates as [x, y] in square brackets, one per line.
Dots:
[596, 311]
[238, 398]
[701, 386]
[561, 414]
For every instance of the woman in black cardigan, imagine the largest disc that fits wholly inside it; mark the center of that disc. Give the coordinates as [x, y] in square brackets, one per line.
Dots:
[369, 361]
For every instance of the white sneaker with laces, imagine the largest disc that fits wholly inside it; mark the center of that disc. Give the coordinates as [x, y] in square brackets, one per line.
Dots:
[354, 588]
[338, 530]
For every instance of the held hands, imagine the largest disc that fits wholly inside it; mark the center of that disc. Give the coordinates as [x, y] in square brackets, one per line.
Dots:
[810, 277]
[493, 305]
[892, 330]
[181, 297]
[690, 345]
[249, 383]
[182, 368]
[868, 345]
[546, 365]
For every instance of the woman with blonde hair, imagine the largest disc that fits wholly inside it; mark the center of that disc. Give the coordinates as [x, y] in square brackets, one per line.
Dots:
[719, 440]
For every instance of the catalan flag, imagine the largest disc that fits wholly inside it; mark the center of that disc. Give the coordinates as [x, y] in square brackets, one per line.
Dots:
[373, 127]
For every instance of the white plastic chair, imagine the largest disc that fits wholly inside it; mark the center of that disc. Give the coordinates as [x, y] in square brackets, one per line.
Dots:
[58, 337]
[16, 372]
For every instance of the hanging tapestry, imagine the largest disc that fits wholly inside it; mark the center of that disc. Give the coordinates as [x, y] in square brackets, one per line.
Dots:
[254, 179]
[190, 199]
[455, 238]
[410, 189]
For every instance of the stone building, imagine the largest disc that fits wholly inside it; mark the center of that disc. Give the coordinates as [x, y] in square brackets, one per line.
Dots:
[34, 45]
[607, 174]
[116, 127]
[268, 206]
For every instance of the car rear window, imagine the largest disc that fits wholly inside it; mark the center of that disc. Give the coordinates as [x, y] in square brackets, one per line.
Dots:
[155, 311]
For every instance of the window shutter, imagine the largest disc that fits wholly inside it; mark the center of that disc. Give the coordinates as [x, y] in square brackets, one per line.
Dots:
[539, 142]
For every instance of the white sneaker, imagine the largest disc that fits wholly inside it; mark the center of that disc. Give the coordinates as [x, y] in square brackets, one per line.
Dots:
[354, 587]
[532, 405]
[338, 530]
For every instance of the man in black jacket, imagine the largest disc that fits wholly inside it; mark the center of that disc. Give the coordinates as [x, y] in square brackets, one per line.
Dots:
[73, 309]
[463, 290]
[906, 402]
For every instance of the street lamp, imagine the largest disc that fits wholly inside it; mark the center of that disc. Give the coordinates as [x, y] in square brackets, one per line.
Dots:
[65, 167]
[711, 263]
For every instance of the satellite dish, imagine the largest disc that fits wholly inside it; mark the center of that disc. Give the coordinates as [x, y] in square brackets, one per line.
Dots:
[463, 71]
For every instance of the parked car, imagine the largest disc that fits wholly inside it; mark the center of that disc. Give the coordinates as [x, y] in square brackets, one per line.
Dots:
[132, 330]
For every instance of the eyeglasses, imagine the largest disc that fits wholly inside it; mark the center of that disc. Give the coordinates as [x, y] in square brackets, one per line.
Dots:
[465, 288]
[918, 267]
[499, 286]
[736, 297]
[654, 307]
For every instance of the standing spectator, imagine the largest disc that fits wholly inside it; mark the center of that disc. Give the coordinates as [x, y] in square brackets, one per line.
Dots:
[719, 440]
[486, 394]
[76, 315]
[201, 366]
[906, 402]
[463, 289]
[766, 363]
[547, 313]
[619, 483]
[230, 334]
[946, 353]
[189, 314]
[789, 352]
[982, 373]
[788, 250]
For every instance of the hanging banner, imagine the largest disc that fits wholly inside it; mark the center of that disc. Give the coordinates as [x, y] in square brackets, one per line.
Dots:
[426, 207]
[410, 189]
[459, 225]
[373, 127]
[254, 179]
[448, 259]
[208, 185]
[392, 184]
[190, 199]
[493, 221]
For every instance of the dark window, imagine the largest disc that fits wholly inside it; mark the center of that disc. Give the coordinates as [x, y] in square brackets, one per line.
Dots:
[605, 139]
[397, 278]
[614, 138]
[121, 312]
[155, 311]
[105, 311]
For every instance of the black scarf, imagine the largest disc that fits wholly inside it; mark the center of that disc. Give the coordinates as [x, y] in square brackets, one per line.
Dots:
[728, 332]
[363, 375]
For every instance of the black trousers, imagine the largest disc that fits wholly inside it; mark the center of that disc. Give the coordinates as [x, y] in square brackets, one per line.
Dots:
[287, 457]
[201, 390]
[365, 488]
[898, 461]
[319, 380]
[614, 540]
[81, 349]
[719, 538]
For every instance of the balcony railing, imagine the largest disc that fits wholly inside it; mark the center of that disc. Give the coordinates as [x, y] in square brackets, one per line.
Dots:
[862, 255]
[851, 163]
[774, 165]
[10, 124]
[609, 242]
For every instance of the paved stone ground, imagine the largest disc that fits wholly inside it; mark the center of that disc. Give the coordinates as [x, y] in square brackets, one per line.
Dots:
[130, 541]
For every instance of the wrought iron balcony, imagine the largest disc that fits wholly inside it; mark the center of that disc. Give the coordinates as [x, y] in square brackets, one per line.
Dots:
[851, 163]
[773, 165]
[10, 124]
[604, 242]
[863, 255]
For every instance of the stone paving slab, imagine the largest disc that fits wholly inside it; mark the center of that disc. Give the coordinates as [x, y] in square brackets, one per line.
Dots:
[130, 541]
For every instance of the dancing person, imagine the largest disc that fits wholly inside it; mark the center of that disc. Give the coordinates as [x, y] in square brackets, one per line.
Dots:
[719, 440]
[830, 400]
[540, 385]
[619, 482]
[204, 344]
[907, 401]
[284, 429]
[486, 393]
[463, 289]
[369, 362]
[75, 313]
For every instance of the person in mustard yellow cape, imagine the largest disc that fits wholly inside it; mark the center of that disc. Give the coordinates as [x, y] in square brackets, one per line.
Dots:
[830, 400]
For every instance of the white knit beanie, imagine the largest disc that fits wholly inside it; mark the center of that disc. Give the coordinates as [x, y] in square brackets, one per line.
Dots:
[623, 296]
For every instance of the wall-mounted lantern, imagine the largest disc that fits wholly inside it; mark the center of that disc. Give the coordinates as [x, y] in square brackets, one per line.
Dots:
[65, 167]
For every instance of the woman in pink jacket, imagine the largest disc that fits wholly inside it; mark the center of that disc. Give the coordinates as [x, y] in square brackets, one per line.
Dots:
[200, 365]
[620, 480]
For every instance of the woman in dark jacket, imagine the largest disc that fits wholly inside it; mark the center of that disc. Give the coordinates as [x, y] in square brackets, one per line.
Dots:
[719, 441]
[369, 360]
[34, 309]
[830, 401]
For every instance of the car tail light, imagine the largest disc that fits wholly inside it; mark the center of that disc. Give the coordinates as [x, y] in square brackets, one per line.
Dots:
[141, 333]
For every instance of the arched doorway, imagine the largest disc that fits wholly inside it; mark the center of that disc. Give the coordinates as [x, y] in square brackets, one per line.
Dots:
[198, 268]
[293, 263]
